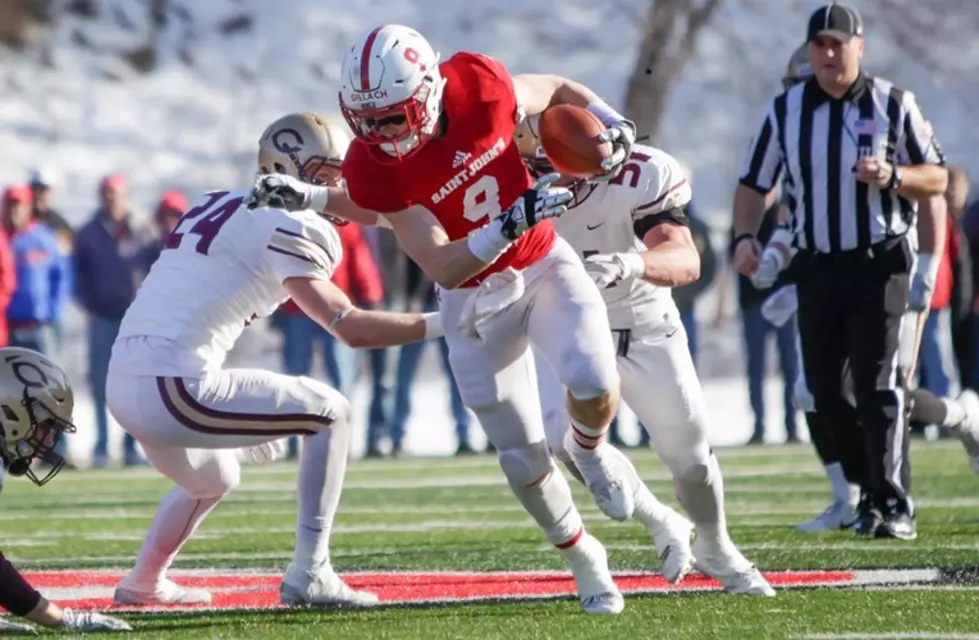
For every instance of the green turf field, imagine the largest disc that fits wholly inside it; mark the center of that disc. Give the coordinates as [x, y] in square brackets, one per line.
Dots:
[458, 515]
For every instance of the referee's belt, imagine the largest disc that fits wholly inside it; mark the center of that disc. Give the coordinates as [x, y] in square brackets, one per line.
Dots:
[872, 252]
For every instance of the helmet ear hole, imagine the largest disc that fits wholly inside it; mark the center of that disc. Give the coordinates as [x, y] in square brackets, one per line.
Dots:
[10, 414]
[280, 168]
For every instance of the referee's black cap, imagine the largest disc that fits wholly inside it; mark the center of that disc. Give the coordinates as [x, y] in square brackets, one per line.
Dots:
[836, 21]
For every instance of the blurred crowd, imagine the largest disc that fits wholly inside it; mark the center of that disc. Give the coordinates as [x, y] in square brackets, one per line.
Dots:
[45, 262]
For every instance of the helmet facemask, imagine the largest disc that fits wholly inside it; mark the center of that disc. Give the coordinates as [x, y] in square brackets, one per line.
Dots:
[418, 114]
[39, 443]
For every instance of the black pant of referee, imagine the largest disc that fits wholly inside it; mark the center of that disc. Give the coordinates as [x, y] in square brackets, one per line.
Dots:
[851, 308]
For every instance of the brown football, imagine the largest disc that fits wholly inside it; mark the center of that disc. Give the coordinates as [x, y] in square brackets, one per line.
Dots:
[569, 136]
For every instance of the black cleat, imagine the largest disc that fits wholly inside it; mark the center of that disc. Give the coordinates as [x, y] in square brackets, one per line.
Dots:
[868, 517]
[898, 522]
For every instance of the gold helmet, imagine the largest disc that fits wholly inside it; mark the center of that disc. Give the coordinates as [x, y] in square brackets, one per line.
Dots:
[799, 69]
[528, 142]
[300, 144]
[36, 404]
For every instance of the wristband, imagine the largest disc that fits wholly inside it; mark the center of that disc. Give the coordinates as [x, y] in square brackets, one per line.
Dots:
[928, 267]
[635, 264]
[433, 325]
[319, 196]
[605, 113]
[743, 236]
[488, 242]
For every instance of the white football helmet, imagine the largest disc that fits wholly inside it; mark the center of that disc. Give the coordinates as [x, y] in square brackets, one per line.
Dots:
[36, 403]
[390, 77]
[299, 144]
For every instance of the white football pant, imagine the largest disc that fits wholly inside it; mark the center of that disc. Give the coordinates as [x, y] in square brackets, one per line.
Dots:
[563, 315]
[660, 385]
[191, 428]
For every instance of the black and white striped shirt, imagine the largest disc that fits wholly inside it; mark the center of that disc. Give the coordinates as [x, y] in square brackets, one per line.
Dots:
[816, 140]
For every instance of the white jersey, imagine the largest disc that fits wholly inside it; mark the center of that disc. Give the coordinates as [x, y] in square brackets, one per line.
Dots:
[601, 222]
[222, 267]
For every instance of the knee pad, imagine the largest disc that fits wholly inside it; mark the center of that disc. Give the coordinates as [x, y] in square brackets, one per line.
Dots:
[525, 466]
[695, 474]
[216, 478]
[592, 377]
[323, 400]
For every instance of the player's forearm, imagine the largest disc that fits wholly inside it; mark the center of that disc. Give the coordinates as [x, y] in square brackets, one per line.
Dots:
[363, 328]
[671, 264]
[749, 208]
[340, 205]
[932, 225]
[454, 263]
[922, 181]
[16, 595]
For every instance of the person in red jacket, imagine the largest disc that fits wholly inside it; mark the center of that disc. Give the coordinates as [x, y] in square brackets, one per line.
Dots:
[358, 277]
[8, 284]
[937, 367]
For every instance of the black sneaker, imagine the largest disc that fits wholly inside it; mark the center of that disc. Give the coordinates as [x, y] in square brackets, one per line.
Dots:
[868, 517]
[898, 522]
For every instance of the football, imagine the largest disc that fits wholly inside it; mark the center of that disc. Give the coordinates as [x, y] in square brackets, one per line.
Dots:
[569, 136]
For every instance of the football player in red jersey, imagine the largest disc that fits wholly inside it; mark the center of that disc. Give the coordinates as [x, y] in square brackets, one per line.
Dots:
[434, 159]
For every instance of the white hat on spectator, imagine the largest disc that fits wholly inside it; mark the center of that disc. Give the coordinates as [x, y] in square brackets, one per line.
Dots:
[45, 176]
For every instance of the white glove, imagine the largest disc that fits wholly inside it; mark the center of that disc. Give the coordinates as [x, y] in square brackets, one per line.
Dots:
[923, 282]
[622, 135]
[12, 626]
[281, 191]
[607, 269]
[540, 202]
[769, 267]
[91, 621]
[262, 453]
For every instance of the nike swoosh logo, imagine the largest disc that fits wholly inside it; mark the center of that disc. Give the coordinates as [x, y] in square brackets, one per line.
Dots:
[672, 333]
[591, 228]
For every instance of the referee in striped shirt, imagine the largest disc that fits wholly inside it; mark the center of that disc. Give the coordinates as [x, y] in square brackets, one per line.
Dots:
[863, 176]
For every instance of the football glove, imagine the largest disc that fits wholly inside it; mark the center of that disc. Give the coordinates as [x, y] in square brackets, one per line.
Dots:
[540, 202]
[12, 626]
[607, 269]
[91, 621]
[622, 135]
[262, 453]
[923, 282]
[281, 191]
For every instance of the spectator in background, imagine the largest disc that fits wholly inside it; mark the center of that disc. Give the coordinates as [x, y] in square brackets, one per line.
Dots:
[171, 207]
[41, 290]
[756, 332]
[109, 259]
[43, 182]
[42, 282]
[8, 284]
[357, 276]
[390, 260]
[963, 283]
[936, 365]
[686, 296]
[422, 297]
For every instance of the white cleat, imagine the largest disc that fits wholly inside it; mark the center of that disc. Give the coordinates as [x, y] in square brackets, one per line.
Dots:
[968, 430]
[610, 481]
[320, 588]
[597, 591]
[839, 515]
[164, 593]
[731, 569]
[672, 541]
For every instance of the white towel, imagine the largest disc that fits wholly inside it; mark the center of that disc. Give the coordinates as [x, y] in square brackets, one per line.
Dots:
[780, 306]
[485, 306]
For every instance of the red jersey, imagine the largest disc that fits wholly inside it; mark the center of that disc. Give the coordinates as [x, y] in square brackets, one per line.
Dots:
[471, 174]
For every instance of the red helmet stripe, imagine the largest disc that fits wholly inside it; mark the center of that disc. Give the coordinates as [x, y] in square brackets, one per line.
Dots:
[365, 60]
